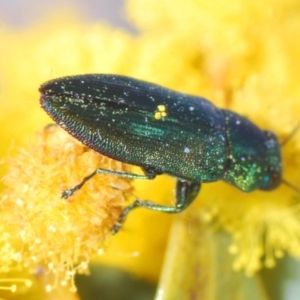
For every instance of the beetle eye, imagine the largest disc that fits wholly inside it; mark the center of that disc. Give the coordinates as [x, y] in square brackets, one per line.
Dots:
[270, 181]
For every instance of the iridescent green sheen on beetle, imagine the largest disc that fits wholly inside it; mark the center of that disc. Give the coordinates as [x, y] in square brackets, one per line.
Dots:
[163, 131]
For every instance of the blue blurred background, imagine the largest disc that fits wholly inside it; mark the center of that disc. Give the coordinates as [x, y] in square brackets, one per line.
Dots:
[22, 13]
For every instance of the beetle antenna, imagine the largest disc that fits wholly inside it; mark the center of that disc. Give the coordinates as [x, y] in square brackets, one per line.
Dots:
[288, 138]
[291, 186]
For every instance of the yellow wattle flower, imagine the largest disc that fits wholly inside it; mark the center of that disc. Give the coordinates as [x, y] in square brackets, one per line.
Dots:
[42, 232]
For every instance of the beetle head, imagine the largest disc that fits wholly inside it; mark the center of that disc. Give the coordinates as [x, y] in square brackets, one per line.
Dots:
[272, 176]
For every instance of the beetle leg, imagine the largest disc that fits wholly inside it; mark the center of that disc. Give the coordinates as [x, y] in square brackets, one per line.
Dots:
[67, 193]
[151, 172]
[186, 192]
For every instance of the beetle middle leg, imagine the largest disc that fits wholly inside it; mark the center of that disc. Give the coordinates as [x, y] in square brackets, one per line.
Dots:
[186, 192]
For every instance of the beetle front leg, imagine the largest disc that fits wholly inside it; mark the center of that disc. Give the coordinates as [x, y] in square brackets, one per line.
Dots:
[69, 192]
[186, 192]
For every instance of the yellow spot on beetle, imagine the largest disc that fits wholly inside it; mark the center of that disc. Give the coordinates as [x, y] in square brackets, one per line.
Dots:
[160, 112]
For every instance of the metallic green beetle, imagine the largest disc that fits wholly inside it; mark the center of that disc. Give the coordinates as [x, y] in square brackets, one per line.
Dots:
[163, 132]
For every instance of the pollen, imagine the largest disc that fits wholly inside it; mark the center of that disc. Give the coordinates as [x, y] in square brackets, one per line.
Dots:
[160, 112]
[56, 235]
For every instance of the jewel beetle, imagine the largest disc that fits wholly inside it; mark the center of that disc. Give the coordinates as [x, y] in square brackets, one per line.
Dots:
[163, 132]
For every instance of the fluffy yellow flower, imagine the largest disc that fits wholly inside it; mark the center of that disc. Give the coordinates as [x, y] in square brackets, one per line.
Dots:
[44, 233]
